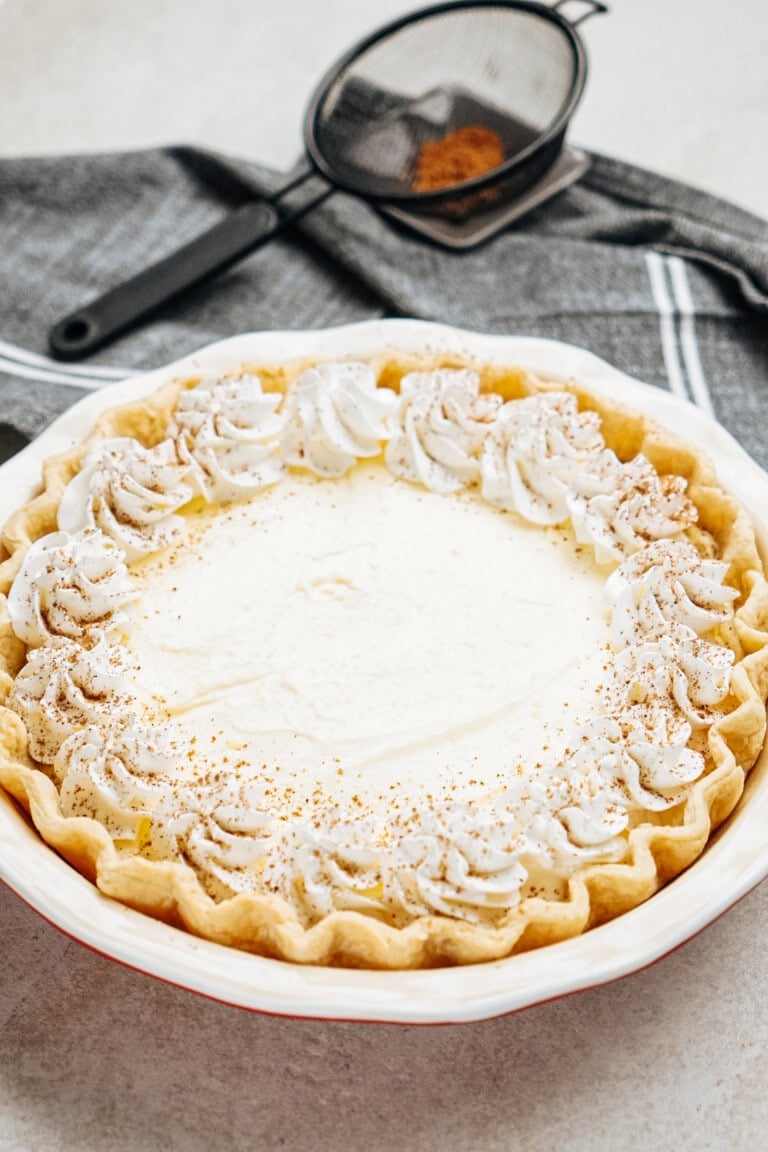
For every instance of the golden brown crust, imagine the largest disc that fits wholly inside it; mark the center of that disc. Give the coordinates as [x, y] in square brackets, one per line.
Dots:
[265, 924]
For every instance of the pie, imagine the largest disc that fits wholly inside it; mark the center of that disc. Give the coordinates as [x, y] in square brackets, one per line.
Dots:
[398, 663]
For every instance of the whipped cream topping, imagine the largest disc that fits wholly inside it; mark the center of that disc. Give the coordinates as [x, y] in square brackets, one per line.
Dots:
[463, 862]
[494, 743]
[131, 493]
[668, 581]
[117, 774]
[458, 866]
[334, 416]
[69, 585]
[318, 873]
[642, 759]
[472, 863]
[221, 831]
[641, 507]
[538, 447]
[438, 428]
[228, 434]
[678, 668]
[597, 821]
[64, 687]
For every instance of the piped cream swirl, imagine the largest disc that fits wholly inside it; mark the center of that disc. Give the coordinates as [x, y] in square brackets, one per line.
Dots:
[535, 451]
[227, 432]
[642, 757]
[320, 872]
[668, 581]
[222, 832]
[463, 870]
[69, 586]
[641, 507]
[64, 687]
[675, 667]
[335, 415]
[117, 774]
[438, 428]
[131, 493]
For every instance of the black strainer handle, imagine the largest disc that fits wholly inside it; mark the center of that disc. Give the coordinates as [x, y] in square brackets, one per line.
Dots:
[594, 8]
[241, 232]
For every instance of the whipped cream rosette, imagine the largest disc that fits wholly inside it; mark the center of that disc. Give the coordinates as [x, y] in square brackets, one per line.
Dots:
[117, 773]
[335, 415]
[437, 431]
[221, 831]
[319, 873]
[596, 822]
[64, 687]
[638, 507]
[350, 802]
[678, 668]
[465, 871]
[538, 448]
[227, 432]
[69, 586]
[668, 581]
[131, 493]
[642, 759]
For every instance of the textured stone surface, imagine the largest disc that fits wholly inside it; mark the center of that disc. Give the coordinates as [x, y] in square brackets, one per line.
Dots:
[96, 1057]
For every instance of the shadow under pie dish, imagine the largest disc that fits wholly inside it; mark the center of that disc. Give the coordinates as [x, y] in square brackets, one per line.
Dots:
[296, 655]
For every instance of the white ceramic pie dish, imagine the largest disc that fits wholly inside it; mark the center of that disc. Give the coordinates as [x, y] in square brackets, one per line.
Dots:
[734, 862]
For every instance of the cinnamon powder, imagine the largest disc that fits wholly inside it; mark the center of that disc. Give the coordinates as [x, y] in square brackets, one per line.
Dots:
[459, 156]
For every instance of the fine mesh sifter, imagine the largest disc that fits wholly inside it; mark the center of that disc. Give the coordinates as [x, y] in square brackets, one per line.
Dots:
[515, 69]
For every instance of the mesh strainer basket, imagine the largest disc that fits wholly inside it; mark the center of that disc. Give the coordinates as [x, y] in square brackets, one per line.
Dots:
[516, 68]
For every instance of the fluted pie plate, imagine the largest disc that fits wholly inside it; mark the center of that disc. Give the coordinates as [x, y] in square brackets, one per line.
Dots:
[734, 860]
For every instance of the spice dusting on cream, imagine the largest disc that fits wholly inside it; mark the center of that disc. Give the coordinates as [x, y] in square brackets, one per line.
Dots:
[452, 648]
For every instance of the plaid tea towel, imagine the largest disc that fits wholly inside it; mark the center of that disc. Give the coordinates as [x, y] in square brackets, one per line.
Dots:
[666, 282]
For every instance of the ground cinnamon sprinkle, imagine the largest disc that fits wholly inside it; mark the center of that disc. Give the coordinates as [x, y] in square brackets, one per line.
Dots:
[459, 156]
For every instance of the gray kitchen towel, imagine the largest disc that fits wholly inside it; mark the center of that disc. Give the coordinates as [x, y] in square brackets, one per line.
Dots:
[666, 282]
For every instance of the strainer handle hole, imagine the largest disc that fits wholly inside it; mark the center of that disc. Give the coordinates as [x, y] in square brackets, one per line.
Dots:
[594, 8]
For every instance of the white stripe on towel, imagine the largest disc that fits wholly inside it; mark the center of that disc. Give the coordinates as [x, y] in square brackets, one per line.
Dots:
[14, 354]
[681, 290]
[44, 376]
[666, 309]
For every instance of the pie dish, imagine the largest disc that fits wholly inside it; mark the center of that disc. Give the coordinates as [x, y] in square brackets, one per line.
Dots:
[441, 878]
[727, 869]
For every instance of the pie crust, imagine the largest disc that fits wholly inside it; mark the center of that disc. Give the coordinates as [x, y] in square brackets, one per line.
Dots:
[656, 851]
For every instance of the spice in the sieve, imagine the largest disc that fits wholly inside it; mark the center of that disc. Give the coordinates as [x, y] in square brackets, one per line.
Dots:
[459, 156]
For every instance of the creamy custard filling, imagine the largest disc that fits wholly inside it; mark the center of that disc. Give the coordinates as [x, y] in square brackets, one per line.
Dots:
[368, 642]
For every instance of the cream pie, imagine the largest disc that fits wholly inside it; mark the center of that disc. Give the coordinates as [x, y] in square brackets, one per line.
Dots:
[390, 664]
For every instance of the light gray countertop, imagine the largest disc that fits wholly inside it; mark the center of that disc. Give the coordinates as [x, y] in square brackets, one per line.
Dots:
[96, 1057]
